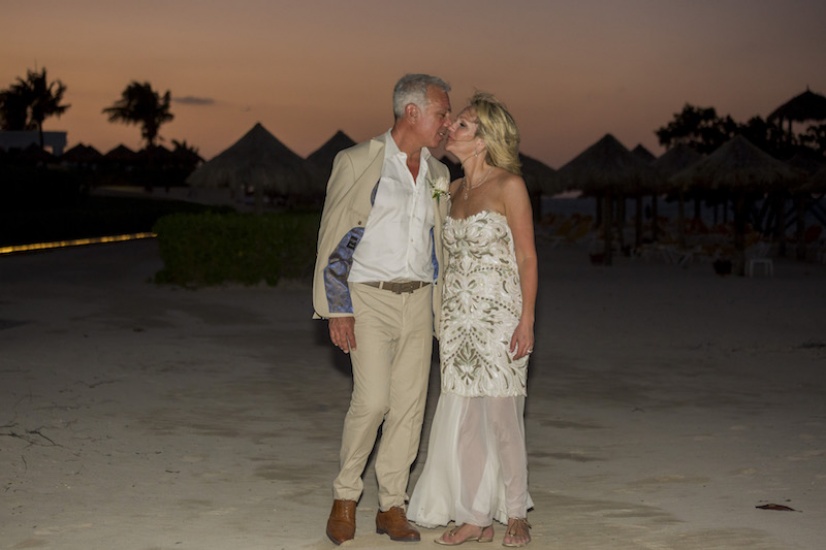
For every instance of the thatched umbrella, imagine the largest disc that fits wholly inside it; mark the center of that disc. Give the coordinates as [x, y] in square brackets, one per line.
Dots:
[120, 157]
[644, 154]
[807, 161]
[540, 180]
[324, 155]
[320, 161]
[155, 156]
[675, 160]
[737, 164]
[647, 157]
[259, 161]
[607, 165]
[741, 168]
[539, 177]
[121, 153]
[806, 106]
[81, 155]
[814, 167]
[816, 182]
[607, 169]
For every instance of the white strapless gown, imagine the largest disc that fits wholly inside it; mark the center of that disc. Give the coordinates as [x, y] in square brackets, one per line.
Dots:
[477, 439]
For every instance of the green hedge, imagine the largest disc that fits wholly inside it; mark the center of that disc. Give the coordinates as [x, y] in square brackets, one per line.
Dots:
[211, 249]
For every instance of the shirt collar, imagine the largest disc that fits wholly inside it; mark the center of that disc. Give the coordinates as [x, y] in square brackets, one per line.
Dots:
[391, 149]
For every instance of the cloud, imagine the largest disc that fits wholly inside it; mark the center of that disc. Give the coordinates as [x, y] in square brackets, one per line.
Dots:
[192, 100]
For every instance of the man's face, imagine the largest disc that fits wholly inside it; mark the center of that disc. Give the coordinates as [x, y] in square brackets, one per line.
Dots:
[435, 119]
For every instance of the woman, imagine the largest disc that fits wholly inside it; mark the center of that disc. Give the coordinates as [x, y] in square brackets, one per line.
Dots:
[476, 469]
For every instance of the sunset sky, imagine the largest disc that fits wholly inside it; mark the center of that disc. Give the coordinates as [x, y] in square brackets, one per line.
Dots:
[570, 71]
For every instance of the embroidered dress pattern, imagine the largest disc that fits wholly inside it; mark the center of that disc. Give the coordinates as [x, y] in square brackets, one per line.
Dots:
[482, 303]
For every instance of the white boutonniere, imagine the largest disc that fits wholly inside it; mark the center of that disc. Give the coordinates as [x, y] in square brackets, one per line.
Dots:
[439, 188]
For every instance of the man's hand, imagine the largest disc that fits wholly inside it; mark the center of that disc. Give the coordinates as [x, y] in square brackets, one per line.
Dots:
[342, 332]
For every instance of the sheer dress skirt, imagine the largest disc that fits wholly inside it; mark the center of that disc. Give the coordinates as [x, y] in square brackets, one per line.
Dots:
[476, 468]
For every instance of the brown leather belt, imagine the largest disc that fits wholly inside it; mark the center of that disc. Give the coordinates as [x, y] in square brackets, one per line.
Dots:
[399, 288]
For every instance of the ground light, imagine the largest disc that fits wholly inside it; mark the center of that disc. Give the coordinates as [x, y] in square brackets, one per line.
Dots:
[75, 242]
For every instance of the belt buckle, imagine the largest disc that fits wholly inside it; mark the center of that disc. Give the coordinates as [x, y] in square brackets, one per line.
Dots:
[400, 288]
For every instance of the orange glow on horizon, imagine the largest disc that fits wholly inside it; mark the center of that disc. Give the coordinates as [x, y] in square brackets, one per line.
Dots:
[570, 71]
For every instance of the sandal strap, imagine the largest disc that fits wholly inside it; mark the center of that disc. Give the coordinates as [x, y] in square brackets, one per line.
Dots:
[515, 523]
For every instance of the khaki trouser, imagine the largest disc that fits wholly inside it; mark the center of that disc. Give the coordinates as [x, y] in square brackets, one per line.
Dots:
[391, 366]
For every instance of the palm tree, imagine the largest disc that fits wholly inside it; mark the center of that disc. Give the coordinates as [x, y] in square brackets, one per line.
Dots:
[140, 104]
[35, 99]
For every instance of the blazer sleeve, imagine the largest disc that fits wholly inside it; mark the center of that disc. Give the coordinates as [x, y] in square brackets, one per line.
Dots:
[347, 205]
[332, 263]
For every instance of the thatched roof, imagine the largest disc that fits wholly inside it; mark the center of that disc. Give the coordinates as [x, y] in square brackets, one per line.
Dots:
[814, 182]
[817, 181]
[256, 160]
[121, 153]
[737, 164]
[81, 154]
[607, 165]
[323, 156]
[539, 177]
[809, 162]
[320, 161]
[156, 154]
[802, 107]
[676, 159]
[643, 154]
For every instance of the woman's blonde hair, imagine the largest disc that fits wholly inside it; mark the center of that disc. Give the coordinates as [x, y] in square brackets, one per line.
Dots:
[495, 125]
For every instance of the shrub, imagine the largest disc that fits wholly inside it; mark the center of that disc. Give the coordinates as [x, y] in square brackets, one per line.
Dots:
[210, 249]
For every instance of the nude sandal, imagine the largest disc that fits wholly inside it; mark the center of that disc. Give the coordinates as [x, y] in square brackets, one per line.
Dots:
[518, 528]
[485, 535]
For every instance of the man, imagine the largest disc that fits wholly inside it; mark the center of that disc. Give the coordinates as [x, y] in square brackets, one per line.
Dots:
[379, 259]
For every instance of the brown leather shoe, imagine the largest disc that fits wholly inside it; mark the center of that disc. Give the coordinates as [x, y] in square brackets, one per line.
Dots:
[394, 523]
[341, 525]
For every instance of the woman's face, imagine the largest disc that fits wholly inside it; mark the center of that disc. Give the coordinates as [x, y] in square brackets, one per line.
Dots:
[461, 137]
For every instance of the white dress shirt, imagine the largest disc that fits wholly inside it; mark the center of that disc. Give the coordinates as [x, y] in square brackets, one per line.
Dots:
[397, 244]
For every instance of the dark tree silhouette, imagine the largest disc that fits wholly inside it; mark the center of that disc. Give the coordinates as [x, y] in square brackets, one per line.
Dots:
[34, 100]
[704, 131]
[140, 104]
[186, 155]
[698, 127]
[766, 135]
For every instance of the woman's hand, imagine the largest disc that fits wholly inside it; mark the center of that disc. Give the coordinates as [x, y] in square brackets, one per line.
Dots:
[522, 340]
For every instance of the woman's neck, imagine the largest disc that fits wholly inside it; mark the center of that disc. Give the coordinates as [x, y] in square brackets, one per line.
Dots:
[475, 168]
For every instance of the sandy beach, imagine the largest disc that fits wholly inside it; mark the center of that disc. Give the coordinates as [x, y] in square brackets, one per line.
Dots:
[665, 405]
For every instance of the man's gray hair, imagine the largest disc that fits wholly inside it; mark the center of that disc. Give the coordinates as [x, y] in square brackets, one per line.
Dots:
[412, 88]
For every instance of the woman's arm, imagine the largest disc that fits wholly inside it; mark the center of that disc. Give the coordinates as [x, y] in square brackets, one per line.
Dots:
[518, 212]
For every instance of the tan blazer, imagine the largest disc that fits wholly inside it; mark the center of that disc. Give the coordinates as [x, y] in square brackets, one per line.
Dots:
[350, 191]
